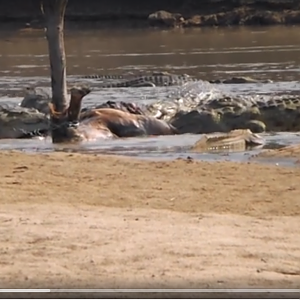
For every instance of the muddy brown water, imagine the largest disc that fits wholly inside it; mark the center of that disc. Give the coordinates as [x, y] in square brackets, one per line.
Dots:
[205, 53]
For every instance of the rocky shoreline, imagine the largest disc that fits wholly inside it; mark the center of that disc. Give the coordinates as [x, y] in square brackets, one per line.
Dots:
[159, 14]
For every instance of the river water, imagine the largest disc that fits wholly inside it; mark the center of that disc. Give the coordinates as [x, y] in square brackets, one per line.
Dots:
[263, 53]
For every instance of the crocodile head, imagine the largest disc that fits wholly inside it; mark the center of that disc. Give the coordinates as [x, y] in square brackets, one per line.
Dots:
[252, 139]
[21, 122]
[239, 139]
[37, 98]
[66, 123]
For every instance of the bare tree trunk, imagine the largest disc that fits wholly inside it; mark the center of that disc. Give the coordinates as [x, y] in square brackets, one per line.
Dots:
[54, 11]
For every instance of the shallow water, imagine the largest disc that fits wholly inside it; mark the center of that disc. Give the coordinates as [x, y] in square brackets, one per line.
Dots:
[157, 148]
[207, 54]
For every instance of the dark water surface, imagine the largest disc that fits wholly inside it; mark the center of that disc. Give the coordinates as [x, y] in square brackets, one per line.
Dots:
[207, 53]
[262, 53]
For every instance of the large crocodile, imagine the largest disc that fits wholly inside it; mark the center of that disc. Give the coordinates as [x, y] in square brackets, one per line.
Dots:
[165, 79]
[228, 113]
[147, 80]
[237, 140]
[20, 122]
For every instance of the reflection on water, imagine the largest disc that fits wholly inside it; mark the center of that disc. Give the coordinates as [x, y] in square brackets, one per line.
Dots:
[206, 53]
[210, 53]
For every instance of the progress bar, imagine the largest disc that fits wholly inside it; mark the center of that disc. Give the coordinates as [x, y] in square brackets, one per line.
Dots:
[150, 290]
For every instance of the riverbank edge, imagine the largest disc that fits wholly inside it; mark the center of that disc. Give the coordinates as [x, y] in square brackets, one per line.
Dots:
[188, 14]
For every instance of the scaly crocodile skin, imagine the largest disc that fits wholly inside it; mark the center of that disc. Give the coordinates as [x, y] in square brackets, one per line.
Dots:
[154, 79]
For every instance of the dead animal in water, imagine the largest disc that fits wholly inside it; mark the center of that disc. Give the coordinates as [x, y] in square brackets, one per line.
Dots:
[104, 122]
[124, 124]
[68, 122]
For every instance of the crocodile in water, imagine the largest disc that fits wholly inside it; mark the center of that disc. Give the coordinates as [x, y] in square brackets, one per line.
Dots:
[165, 78]
[238, 140]
[151, 80]
[279, 113]
[20, 122]
[222, 113]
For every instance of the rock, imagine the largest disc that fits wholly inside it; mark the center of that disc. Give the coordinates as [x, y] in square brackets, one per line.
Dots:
[210, 20]
[163, 18]
[230, 18]
[194, 21]
[263, 18]
[292, 17]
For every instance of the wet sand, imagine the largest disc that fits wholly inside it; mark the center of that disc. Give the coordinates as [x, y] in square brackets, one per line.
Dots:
[92, 221]
[292, 151]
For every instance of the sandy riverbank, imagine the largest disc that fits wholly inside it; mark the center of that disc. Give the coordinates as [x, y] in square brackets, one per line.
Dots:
[72, 220]
[292, 152]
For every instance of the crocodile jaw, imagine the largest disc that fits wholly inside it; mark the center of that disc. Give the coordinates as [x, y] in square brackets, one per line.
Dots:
[254, 139]
[235, 139]
[19, 130]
